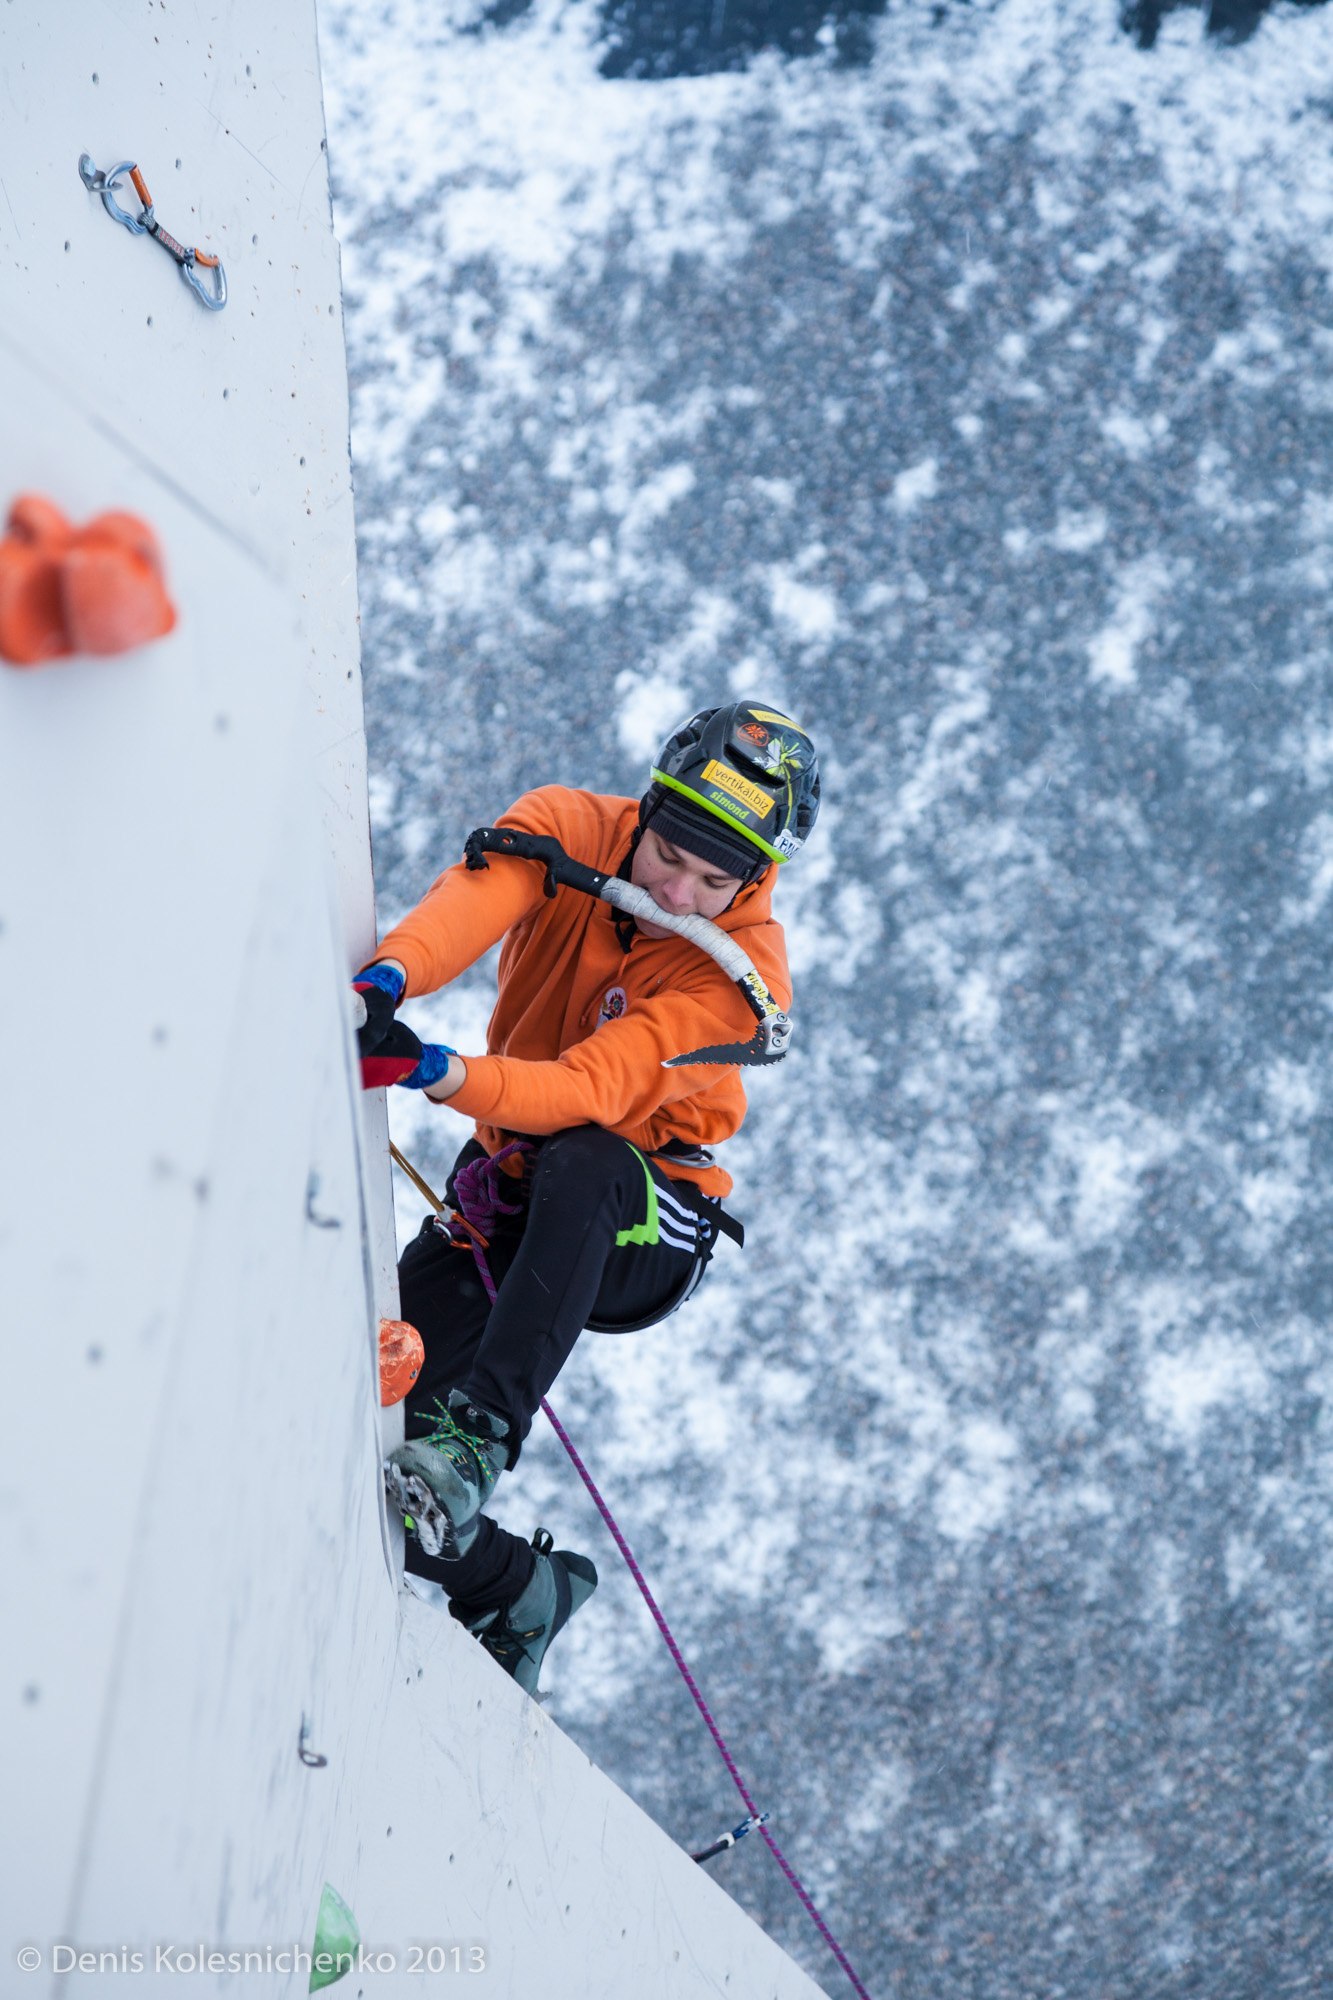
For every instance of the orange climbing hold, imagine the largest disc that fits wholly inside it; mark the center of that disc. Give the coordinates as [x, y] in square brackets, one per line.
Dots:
[32, 617]
[115, 596]
[97, 589]
[402, 1358]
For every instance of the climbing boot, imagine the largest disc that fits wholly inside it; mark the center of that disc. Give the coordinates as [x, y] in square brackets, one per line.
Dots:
[519, 1633]
[441, 1483]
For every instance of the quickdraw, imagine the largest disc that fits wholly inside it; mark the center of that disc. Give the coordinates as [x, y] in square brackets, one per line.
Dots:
[146, 223]
[727, 1840]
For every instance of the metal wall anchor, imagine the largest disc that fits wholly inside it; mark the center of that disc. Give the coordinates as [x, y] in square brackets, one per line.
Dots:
[190, 262]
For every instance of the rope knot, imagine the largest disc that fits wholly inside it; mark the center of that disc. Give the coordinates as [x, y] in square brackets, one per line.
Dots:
[479, 1204]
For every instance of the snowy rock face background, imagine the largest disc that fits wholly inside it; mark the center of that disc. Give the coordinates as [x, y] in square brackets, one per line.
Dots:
[974, 402]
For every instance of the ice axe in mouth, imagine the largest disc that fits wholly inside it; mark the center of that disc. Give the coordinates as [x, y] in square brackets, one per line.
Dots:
[772, 1037]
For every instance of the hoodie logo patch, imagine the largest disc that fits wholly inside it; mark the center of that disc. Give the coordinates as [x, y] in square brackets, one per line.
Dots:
[614, 1002]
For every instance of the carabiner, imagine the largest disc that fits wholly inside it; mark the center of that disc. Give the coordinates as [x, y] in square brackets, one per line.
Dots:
[146, 223]
[97, 182]
[190, 273]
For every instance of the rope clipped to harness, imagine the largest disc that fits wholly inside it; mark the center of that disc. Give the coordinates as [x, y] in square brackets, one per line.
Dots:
[771, 1039]
[479, 1206]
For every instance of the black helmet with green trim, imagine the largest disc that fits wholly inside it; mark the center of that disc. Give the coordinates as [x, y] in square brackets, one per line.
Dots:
[738, 786]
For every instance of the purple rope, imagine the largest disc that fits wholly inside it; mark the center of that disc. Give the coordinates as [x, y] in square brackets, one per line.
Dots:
[477, 1196]
[702, 1706]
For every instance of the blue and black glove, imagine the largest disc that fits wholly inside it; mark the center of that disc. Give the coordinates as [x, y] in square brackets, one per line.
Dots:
[388, 1049]
[431, 1065]
[395, 1057]
[381, 988]
[390, 1052]
[402, 1058]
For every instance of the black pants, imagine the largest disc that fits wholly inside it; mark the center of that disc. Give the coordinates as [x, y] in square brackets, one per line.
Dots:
[606, 1240]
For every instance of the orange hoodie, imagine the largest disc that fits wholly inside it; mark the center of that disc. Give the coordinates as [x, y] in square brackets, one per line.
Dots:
[581, 1026]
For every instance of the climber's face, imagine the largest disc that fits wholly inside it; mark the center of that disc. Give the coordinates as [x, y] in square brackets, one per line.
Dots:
[683, 884]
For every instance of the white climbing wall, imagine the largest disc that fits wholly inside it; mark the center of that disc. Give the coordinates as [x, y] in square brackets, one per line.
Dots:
[194, 1210]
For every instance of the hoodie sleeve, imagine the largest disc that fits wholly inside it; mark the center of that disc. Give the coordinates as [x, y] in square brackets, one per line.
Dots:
[465, 911]
[615, 1078]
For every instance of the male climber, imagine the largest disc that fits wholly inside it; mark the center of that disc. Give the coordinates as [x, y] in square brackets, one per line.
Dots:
[614, 1200]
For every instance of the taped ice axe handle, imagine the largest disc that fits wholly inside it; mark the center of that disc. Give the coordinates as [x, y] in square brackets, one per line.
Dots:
[770, 1040]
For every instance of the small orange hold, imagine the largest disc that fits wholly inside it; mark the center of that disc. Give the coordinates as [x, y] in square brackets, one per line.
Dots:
[32, 612]
[114, 593]
[402, 1358]
[99, 589]
[38, 522]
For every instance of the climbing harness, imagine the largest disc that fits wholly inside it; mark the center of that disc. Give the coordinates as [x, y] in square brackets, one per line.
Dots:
[771, 1039]
[478, 1204]
[147, 224]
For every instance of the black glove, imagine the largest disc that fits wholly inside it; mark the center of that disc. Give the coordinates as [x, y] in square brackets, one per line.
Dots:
[394, 1057]
[381, 988]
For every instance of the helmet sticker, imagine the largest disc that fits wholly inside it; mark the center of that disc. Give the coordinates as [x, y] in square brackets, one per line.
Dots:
[778, 754]
[750, 796]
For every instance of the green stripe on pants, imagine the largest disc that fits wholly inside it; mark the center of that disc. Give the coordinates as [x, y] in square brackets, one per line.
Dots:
[644, 1232]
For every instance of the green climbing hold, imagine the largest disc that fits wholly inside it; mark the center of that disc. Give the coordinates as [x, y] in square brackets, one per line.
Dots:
[337, 1941]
